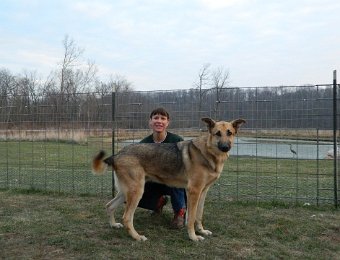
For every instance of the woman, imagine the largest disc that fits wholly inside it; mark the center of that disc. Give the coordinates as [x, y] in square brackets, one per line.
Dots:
[154, 193]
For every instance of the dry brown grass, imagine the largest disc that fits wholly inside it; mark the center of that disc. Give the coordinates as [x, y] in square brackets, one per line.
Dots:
[300, 134]
[75, 135]
[82, 135]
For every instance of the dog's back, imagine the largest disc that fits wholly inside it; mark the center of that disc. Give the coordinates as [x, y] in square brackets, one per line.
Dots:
[157, 160]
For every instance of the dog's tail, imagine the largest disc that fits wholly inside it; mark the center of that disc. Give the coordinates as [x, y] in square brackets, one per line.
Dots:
[99, 164]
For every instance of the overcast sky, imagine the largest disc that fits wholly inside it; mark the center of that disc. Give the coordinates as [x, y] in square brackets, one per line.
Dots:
[163, 44]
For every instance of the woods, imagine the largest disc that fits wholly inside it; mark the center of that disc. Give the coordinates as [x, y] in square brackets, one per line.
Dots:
[22, 103]
[73, 93]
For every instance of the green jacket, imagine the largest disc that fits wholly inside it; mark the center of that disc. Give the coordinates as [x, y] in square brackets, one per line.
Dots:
[170, 138]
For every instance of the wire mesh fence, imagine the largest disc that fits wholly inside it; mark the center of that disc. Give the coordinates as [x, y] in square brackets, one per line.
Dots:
[284, 152]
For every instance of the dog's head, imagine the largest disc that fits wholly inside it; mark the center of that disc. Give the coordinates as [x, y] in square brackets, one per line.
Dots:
[222, 133]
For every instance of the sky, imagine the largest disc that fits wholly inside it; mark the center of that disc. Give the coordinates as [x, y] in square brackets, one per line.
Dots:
[163, 44]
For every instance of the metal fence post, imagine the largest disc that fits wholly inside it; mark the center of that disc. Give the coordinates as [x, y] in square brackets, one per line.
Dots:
[335, 148]
[113, 133]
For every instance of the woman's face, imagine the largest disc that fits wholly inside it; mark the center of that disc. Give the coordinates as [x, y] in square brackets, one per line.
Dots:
[159, 123]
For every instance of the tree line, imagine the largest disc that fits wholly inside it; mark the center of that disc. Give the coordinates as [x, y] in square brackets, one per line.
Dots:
[263, 108]
[73, 94]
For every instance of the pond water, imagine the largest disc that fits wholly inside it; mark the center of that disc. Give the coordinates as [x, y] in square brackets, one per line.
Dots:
[280, 148]
[275, 148]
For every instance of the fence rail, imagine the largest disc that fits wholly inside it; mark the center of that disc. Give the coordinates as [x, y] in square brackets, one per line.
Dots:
[284, 152]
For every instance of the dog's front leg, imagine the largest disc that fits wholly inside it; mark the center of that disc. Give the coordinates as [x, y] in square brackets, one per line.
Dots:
[199, 216]
[193, 197]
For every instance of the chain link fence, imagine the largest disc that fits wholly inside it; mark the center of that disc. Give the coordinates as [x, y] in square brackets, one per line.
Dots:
[284, 152]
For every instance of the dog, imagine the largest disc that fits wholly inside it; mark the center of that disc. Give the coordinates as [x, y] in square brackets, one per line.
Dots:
[192, 164]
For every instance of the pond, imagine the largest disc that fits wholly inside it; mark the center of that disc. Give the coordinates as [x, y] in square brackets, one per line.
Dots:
[281, 148]
[275, 148]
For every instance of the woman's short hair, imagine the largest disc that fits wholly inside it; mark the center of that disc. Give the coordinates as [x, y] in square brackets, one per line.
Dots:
[160, 111]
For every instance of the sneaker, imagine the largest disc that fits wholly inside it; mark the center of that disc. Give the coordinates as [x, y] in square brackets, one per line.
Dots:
[179, 219]
[162, 201]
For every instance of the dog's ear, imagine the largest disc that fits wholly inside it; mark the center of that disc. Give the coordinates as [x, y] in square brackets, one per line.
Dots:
[237, 123]
[210, 123]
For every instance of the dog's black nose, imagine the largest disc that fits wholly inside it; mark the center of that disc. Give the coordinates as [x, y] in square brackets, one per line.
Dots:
[224, 147]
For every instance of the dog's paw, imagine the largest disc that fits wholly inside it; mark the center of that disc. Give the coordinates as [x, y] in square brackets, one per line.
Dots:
[142, 238]
[197, 238]
[116, 225]
[205, 232]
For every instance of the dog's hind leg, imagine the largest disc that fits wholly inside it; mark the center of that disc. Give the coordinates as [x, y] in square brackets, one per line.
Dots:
[133, 197]
[199, 215]
[111, 207]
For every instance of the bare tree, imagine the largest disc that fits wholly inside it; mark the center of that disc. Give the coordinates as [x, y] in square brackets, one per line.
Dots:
[73, 76]
[26, 94]
[7, 83]
[31, 86]
[203, 78]
[7, 90]
[103, 89]
[89, 74]
[219, 79]
[120, 84]
[71, 55]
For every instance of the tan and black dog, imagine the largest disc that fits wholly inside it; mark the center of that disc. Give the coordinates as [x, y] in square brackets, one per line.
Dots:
[194, 165]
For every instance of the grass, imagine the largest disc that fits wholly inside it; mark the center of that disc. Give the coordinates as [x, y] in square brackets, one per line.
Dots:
[36, 225]
[65, 167]
[52, 166]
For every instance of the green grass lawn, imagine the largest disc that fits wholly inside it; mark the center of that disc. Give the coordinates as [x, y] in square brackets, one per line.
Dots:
[52, 166]
[37, 225]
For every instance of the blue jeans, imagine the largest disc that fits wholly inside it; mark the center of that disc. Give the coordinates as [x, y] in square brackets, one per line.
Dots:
[153, 191]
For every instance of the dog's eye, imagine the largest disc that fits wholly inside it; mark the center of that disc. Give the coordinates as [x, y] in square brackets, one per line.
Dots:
[218, 133]
[229, 133]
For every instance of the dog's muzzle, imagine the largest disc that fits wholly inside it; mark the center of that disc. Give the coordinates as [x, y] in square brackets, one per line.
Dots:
[224, 147]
